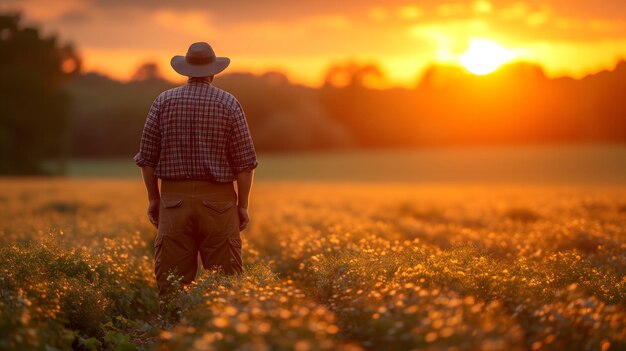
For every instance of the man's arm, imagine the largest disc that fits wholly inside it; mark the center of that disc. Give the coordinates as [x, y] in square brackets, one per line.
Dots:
[154, 197]
[242, 157]
[148, 158]
[244, 185]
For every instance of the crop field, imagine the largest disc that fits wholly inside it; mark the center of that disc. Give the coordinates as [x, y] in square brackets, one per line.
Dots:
[328, 266]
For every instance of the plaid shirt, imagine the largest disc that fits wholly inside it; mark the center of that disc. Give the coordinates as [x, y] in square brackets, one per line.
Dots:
[196, 131]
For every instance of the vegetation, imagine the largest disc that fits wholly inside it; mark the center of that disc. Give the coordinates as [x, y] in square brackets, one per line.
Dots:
[328, 266]
[34, 106]
[446, 107]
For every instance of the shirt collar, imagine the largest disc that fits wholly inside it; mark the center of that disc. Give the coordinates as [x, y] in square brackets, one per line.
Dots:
[198, 80]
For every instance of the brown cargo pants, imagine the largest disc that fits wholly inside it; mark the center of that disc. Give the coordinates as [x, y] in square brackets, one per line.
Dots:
[196, 217]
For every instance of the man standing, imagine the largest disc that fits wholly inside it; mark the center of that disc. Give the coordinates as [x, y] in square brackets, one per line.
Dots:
[196, 140]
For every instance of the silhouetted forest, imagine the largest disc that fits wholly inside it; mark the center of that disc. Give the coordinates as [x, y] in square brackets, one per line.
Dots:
[33, 103]
[516, 104]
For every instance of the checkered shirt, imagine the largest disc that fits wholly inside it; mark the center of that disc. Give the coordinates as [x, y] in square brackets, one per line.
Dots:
[196, 131]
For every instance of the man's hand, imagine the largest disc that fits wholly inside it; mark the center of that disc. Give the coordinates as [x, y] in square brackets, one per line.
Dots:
[154, 196]
[153, 212]
[244, 184]
[244, 218]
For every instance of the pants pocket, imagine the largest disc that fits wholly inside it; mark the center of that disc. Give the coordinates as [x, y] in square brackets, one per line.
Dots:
[219, 217]
[218, 206]
[170, 216]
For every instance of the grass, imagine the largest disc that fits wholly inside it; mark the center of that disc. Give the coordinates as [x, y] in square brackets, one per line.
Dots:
[328, 266]
[548, 164]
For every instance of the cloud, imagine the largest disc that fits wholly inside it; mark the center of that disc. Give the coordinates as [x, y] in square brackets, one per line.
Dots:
[73, 16]
[304, 37]
[192, 23]
[40, 10]
[451, 37]
[482, 6]
[452, 9]
[409, 12]
[556, 56]
[379, 13]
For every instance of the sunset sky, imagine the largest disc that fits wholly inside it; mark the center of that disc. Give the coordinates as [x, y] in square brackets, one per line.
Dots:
[303, 38]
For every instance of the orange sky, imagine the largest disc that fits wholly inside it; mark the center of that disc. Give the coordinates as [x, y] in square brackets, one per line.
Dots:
[303, 38]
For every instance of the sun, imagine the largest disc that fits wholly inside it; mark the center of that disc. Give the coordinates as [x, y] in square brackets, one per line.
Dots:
[485, 56]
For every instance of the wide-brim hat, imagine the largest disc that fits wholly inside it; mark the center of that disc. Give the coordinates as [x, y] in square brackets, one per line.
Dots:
[200, 61]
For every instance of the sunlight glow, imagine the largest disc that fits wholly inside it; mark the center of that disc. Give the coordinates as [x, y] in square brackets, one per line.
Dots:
[485, 56]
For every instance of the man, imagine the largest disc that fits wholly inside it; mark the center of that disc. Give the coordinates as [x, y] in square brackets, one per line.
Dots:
[196, 141]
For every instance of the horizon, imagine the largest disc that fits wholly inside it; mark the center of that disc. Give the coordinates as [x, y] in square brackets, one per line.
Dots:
[409, 84]
[303, 41]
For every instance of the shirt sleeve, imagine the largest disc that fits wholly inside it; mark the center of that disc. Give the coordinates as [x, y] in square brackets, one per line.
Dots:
[241, 152]
[150, 145]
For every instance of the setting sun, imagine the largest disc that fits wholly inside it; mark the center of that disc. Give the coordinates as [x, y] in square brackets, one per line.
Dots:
[484, 56]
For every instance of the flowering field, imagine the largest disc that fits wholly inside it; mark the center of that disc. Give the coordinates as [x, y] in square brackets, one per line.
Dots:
[329, 266]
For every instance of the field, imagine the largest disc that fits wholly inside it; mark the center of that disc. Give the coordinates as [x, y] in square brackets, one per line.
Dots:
[546, 164]
[374, 266]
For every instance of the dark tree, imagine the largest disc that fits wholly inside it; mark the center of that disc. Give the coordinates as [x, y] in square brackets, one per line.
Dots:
[147, 72]
[33, 103]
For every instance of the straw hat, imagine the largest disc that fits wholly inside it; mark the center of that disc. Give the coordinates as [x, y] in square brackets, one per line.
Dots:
[200, 61]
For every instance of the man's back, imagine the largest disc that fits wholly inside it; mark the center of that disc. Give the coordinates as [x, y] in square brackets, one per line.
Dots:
[197, 131]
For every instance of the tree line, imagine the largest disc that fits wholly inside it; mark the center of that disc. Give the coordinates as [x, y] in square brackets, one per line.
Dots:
[516, 104]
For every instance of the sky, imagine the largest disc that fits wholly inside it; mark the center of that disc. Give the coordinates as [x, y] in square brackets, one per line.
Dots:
[305, 38]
